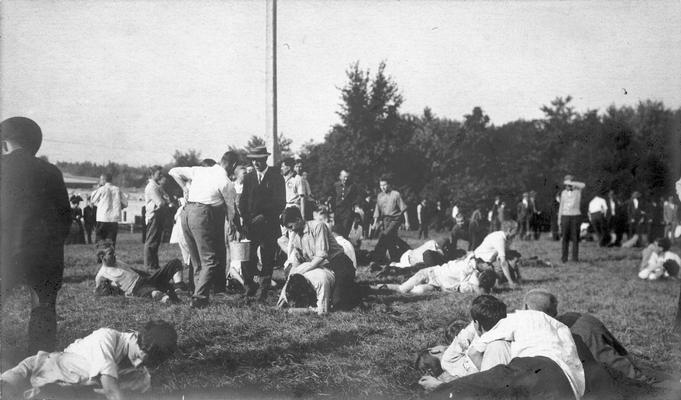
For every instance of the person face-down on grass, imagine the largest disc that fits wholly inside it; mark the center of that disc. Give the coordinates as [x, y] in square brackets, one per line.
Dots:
[136, 283]
[107, 360]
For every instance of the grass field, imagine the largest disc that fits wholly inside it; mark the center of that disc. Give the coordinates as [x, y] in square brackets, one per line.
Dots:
[237, 348]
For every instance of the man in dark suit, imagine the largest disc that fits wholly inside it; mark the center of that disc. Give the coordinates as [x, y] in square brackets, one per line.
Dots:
[635, 215]
[346, 195]
[35, 218]
[89, 219]
[261, 203]
[615, 218]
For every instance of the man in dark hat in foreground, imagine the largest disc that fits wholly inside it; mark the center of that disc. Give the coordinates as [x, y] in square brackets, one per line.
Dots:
[35, 218]
[261, 203]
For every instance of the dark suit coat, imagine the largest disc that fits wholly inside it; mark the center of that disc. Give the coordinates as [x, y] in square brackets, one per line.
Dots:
[633, 213]
[342, 203]
[35, 217]
[267, 198]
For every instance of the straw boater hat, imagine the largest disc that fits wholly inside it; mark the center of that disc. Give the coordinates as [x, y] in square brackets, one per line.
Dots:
[259, 152]
[568, 180]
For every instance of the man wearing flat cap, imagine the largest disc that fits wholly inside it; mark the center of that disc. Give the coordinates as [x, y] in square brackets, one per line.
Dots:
[262, 202]
[35, 218]
[570, 215]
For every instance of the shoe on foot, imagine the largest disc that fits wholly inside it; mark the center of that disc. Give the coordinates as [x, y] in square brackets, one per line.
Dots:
[250, 289]
[198, 303]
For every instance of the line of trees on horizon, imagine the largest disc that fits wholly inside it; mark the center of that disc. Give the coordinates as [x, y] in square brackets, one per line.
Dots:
[470, 161]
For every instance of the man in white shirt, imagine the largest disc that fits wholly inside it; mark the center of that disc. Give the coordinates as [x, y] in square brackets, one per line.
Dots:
[115, 360]
[569, 216]
[156, 206]
[658, 262]
[210, 202]
[495, 247]
[598, 208]
[310, 291]
[109, 200]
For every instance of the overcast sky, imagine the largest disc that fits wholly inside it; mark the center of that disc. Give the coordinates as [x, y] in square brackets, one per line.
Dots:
[131, 81]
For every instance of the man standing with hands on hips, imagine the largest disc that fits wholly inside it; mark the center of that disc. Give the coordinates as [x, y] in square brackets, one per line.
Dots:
[261, 203]
[388, 214]
[569, 216]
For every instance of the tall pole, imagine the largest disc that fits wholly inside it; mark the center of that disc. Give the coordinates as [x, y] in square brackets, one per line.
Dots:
[272, 83]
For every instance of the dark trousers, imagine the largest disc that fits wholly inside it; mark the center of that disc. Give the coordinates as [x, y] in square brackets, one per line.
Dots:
[389, 241]
[106, 230]
[475, 235]
[344, 290]
[423, 229]
[524, 227]
[523, 378]
[204, 229]
[153, 240]
[343, 220]
[570, 232]
[268, 249]
[598, 223]
[88, 232]
[159, 280]
[42, 324]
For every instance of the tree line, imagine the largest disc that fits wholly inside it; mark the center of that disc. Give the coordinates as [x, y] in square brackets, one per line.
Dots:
[470, 161]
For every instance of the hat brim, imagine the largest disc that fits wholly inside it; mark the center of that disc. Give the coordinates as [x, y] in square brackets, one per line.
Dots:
[253, 156]
[568, 183]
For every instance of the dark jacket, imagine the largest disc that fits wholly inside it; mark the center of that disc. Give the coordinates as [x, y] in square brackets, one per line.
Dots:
[266, 198]
[343, 200]
[35, 217]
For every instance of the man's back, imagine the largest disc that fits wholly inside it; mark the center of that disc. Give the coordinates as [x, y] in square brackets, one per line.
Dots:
[34, 213]
[109, 201]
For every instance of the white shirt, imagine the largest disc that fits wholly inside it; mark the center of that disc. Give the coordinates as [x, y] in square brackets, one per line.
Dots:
[492, 247]
[455, 211]
[104, 349]
[598, 204]
[348, 249]
[291, 184]
[109, 201]
[209, 185]
[261, 175]
[415, 256]
[121, 275]
[613, 206]
[533, 333]
[323, 281]
[655, 265]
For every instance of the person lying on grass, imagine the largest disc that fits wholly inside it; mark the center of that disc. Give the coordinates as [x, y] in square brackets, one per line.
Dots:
[313, 247]
[464, 275]
[107, 360]
[544, 364]
[495, 248]
[133, 282]
[658, 262]
[454, 362]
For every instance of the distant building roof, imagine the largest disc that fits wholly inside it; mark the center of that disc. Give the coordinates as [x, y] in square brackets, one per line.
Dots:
[73, 180]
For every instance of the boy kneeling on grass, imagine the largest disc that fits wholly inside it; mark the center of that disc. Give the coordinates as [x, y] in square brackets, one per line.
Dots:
[136, 283]
[115, 360]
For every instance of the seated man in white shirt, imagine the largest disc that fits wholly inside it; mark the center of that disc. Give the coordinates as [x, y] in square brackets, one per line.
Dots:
[658, 262]
[136, 283]
[113, 360]
[462, 275]
[495, 247]
[545, 363]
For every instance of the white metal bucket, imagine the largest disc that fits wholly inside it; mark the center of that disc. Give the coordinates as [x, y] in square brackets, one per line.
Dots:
[240, 251]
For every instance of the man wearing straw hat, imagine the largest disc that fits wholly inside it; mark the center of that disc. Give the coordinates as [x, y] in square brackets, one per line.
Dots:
[261, 203]
[569, 216]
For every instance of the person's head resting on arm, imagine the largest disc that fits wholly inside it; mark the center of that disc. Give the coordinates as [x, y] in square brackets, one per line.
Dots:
[157, 341]
[486, 311]
[486, 281]
[541, 300]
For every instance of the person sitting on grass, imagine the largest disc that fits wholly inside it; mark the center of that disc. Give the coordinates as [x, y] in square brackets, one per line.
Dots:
[463, 275]
[322, 215]
[455, 363]
[495, 247]
[107, 360]
[312, 246]
[136, 283]
[658, 262]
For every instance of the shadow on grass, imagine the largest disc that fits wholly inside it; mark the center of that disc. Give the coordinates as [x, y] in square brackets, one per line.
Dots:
[78, 278]
[541, 280]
